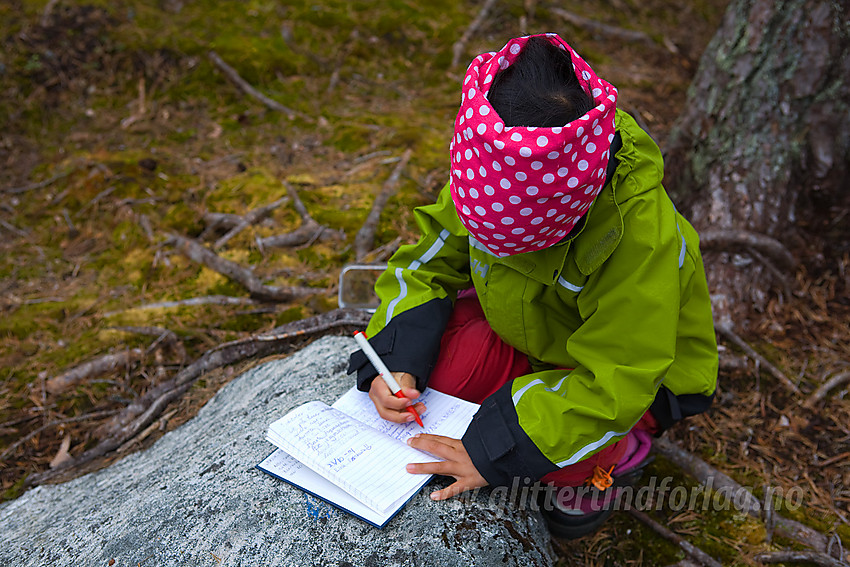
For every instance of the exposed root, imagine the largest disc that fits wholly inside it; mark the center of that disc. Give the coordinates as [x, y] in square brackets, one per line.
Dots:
[258, 290]
[708, 475]
[718, 239]
[308, 232]
[247, 220]
[698, 555]
[95, 367]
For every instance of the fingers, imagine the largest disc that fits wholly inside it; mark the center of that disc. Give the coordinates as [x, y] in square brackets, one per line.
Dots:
[452, 490]
[456, 463]
[390, 407]
[437, 445]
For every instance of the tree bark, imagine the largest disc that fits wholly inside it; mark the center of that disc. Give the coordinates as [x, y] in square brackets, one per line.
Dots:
[763, 142]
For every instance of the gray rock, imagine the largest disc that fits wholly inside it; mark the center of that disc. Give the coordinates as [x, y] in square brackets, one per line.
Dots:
[195, 498]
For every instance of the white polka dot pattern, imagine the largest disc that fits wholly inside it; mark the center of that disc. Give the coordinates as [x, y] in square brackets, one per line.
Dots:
[519, 189]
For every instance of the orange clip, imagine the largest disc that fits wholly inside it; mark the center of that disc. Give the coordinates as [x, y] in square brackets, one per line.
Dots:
[600, 478]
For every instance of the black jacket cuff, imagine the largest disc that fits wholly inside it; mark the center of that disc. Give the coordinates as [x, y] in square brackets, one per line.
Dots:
[499, 448]
[409, 343]
[668, 408]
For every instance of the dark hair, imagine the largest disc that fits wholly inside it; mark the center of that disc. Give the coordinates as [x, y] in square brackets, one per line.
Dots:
[540, 88]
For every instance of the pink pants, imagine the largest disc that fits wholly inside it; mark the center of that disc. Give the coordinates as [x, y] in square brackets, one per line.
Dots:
[474, 362]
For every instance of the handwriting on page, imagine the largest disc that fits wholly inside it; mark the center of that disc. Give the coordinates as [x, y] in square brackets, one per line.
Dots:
[364, 462]
[444, 415]
[323, 431]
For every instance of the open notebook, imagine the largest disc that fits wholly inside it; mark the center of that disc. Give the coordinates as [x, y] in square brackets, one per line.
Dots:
[347, 455]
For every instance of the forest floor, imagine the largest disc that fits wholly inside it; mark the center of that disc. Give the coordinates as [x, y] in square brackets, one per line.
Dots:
[119, 134]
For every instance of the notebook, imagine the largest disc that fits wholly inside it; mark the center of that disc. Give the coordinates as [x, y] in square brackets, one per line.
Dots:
[350, 457]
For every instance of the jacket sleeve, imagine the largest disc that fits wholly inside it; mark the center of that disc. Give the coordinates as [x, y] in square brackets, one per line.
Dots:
[623, 348]
[417, 293]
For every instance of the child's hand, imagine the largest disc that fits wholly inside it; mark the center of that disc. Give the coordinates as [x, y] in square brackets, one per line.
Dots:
[457, 464]
[390, 407]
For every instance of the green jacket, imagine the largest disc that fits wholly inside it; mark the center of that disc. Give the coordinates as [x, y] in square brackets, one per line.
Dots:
[623, 303]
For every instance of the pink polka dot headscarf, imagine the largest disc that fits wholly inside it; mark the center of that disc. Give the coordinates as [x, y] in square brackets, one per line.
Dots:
[520, 189]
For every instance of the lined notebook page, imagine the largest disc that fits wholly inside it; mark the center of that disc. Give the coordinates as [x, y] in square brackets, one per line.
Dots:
[290, 469]
[444, 414]
[361, 460]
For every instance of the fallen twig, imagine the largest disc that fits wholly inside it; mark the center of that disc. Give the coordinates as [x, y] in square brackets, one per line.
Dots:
[340, 60]
[46, 13]
[825, 388]
[85, 417]
[13, 229]
[94, 200]
[39, 184]
[708, 475]
[145, 223]
[799, 557]
[204, 300]
[364, 164]
[460, 44]
[600, 28]
[231, 74]
[733, 336]
[761, 242]
[528, 15]
[159, 423]
[309, 230]
[251, 217]
[258, 290]
[163, 336]
[146, 409]
[693, 551]
[95, 367]
[216, 221]
[833, 460]
[366, 235]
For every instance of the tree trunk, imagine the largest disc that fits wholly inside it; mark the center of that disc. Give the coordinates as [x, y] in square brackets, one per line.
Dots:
[762, 146]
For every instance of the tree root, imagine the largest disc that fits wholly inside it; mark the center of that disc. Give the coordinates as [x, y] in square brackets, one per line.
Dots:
[709, 476]
[733, 336]
[252, 217]
[698, 555]
[308, 232]
[136, 417]
[95, 367]
[713, 239]
[258, 290]
[366, 235]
